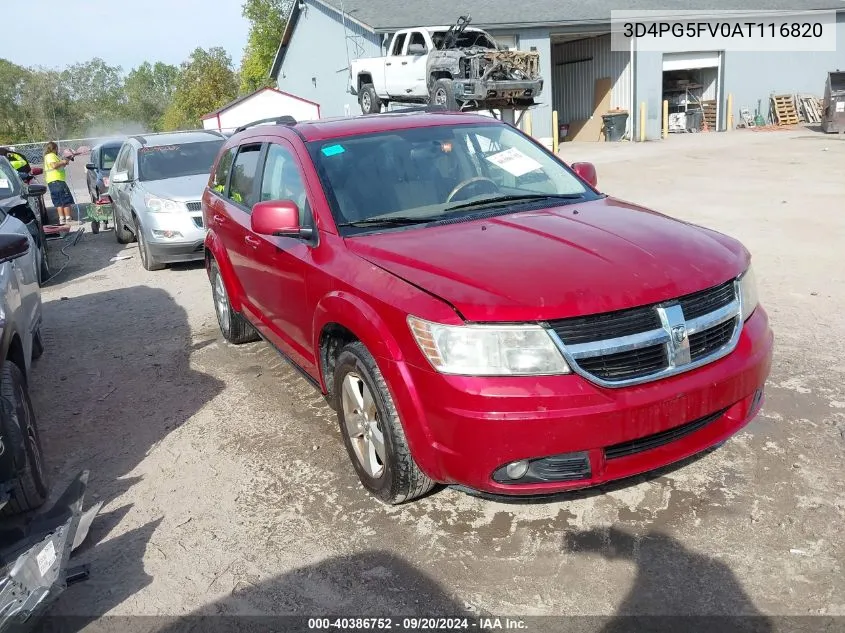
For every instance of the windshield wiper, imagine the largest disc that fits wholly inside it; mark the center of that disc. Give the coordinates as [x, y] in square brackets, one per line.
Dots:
[525, 197]
[396, 221]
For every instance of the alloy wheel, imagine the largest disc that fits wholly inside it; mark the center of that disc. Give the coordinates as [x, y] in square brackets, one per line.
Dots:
[221, 303]
[362, 424]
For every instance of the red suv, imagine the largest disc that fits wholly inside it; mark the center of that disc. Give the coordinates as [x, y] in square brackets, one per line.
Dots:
[476, 311]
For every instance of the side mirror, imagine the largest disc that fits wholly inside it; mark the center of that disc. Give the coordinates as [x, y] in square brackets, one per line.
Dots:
[35, 191]
[12, 246]
[587, 173]
[90, 166]
[279, 218]
[120, 177]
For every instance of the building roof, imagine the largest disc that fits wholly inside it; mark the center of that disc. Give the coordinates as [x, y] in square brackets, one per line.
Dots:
[239, 100]
[386, 15]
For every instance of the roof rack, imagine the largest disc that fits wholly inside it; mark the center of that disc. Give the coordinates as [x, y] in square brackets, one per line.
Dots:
[425, 108]
[278, 120]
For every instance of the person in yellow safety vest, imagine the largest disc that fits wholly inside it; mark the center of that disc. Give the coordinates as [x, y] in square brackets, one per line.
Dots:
[56, 179]
[18, 161]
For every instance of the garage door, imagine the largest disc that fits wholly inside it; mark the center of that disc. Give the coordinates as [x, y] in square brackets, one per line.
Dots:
[683, 61]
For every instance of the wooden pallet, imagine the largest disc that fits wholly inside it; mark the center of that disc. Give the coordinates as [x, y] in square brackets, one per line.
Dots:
[709, 109]
[783, 107]
[809, 108]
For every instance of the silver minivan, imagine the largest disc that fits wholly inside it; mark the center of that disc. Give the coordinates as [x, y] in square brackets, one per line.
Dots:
[156, 185]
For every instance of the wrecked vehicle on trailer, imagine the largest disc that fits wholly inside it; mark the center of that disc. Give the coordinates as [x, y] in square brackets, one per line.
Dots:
[458, 67]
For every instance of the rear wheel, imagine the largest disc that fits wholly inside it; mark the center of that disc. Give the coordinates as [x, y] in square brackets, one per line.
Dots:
[120, 233]
[370, 103]
[234, 327]
[372, 431]
[29, 488]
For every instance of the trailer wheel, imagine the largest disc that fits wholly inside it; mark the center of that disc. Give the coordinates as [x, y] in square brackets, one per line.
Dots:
[95, 227]
[444, 94]
[370, 103]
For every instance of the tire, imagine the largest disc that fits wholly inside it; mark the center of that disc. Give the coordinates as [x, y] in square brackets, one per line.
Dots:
[37, 345]
[233, 326]
[398, 479]
[368, 99]
[95, 227]
[29, 488]
[147, 259]
[443, 93]
[119, 232]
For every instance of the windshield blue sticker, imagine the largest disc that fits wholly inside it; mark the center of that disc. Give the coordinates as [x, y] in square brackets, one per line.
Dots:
[333, 150]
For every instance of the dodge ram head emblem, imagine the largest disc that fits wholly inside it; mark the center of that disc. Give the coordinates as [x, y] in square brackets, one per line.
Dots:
[679, 333]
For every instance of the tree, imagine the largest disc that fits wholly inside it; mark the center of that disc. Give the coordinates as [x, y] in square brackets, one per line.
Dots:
[267, 20]
[206, 82]
[12, 121]
[49, 111]
[149, 90]
[96, 93]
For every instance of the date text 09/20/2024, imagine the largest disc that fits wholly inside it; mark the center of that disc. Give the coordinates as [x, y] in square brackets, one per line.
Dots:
[417, 624]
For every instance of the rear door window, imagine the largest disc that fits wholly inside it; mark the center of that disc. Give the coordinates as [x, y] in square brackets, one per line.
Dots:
[242, 189]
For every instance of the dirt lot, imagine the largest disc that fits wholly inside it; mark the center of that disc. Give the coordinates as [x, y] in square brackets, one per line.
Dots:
[227, 489]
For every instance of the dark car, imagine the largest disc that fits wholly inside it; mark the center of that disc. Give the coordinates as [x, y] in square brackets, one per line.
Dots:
[102, 160]
[476, 310]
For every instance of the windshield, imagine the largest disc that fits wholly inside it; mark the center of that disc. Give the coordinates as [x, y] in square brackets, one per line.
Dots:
[108, 155]
[8, 180]
[467, 39]
[176, 161]
[437, 173]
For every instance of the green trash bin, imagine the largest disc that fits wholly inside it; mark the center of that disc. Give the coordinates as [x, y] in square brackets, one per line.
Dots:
[614, 125]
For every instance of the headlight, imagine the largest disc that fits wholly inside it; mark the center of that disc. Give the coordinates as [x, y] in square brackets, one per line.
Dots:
[748, 293]
[488, 350]
[163, 205]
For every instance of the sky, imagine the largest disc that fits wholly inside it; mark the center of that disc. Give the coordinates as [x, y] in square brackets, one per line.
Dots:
[122, 32]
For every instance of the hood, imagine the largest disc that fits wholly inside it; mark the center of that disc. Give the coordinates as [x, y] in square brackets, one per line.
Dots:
[184, 189]
[574, 260]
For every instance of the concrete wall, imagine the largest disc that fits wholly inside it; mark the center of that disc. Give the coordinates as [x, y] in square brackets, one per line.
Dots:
[315, 66]
[748, 76]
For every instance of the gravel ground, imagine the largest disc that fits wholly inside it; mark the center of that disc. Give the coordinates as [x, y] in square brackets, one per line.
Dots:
[227, 489]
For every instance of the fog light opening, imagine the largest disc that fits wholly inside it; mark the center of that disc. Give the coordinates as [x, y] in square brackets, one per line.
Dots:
[517, 470]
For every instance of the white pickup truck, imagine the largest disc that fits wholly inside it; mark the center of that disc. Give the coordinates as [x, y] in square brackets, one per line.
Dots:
[458, 67]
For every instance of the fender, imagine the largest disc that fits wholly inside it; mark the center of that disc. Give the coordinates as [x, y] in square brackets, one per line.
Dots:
[368, 326]
[214, 249]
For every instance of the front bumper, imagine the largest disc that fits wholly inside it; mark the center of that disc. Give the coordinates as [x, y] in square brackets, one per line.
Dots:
[471, 427]
[187, 246]
[477, 89]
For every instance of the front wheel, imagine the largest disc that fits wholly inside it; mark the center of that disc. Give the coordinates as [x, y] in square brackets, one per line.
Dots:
[120, 233]
[233, 326]
[371, 429]
[147, 258]
[29, 487]
[443, 94]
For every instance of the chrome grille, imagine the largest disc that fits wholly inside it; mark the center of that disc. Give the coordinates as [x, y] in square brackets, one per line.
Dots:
[650, 342]
[194, 206]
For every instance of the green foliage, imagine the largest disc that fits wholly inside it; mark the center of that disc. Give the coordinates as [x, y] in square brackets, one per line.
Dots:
[267, 20]
[12, 80]
[149, 90]
[206, 82]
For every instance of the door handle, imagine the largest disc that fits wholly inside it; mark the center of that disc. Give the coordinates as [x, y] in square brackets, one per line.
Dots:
[404, 63]
[387, 63]
[220, 219]
[252, 242]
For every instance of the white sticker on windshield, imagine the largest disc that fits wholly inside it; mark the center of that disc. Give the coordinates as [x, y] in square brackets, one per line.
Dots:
[46, 558]
[514, 162]
[4, 183]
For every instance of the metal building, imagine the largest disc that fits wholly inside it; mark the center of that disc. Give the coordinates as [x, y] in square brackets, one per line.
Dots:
[584, 76]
